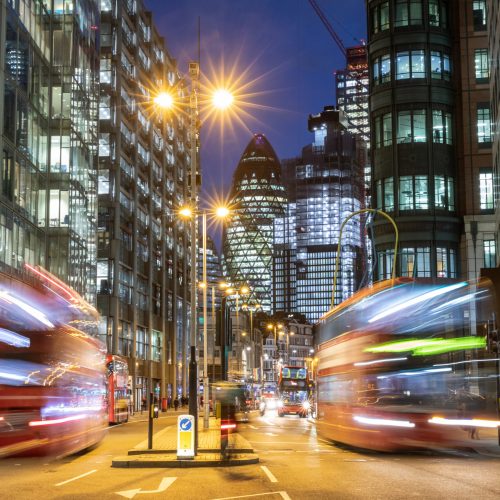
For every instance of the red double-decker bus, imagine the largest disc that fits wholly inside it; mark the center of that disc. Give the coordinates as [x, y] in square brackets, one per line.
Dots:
[293, 392]
[52, 373]
[117, 378]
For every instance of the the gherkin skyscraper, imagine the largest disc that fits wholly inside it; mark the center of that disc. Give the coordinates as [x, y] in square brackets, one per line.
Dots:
[258, 197]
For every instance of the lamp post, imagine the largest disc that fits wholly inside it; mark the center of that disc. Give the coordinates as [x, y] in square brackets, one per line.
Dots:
[221, 99]
[220, 212]
[277, 329]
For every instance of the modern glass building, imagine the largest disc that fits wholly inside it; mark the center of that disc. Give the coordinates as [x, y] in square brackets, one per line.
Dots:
[143, 257]
[413, 114]
[325, 185]
[49, 63]
[432, 136]
[258, 197]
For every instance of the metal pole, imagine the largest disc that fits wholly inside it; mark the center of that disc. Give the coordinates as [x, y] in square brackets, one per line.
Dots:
[206, 404]
[194, 71]
[214, 326]
[150, 421]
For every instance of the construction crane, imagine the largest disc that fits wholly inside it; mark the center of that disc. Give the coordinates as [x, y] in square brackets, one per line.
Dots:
[329, 27]
[345, 51]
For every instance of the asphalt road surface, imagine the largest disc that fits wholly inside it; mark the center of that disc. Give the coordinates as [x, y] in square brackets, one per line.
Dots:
[294, 464]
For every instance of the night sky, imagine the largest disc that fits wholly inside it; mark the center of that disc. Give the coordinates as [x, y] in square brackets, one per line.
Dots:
[286, 55]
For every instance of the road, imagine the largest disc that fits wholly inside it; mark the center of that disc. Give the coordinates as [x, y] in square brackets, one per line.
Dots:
[294, 464]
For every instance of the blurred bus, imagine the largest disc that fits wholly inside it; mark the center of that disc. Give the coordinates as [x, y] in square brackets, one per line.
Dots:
[118, 399]
[293, 392]
[52, 373]
[408, 364]
[52, 391]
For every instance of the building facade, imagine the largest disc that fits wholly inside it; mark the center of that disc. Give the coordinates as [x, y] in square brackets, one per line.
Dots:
[352, 88]
[143, 257]
[494, 53]
[49, 88]
[325, 186]
[414, 116]
[474, 140]
[257, 198]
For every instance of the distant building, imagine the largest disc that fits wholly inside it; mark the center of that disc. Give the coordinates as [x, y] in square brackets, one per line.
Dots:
[352, 89]
[257, 198]
[325, 186]
[143, 257]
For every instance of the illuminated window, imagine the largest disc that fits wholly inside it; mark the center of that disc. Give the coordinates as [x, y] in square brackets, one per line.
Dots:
[444, 192]
[415, 262]
[446, 262]
[440, 66]
[482, 65]
[408, 12]
[410, 64]
[382, 69]
[411, 126]
[441, 127]
[383, 130]
[483, 124]
[438, 16]
[380, 17]
[413, 192]
[479, 15]
[486, 190]
[490, 253]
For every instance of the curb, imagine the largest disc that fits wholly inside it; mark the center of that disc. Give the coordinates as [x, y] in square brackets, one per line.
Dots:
[147, 462]
[135, 452]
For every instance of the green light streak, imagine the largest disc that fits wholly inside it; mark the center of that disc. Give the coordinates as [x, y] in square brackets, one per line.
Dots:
[428, 347]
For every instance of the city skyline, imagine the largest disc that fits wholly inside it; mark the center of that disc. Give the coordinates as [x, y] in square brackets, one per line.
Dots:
[272, 55]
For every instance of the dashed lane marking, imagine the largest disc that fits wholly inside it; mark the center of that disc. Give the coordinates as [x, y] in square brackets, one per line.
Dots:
[269, 474]
[77, 477]
[283, 495]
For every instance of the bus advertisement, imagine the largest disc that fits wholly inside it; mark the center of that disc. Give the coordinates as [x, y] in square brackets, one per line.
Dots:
[293, 392]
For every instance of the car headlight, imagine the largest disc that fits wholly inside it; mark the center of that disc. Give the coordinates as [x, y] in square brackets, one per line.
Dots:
[280, 404]
[306, 405]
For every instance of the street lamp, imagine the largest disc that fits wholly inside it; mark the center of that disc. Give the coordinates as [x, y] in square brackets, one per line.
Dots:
[219, 212]
[164, 101]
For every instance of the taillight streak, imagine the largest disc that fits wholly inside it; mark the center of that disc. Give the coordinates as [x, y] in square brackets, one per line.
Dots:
[38, 423]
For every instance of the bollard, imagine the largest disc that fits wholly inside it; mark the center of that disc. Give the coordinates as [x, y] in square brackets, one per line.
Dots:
[150, 421]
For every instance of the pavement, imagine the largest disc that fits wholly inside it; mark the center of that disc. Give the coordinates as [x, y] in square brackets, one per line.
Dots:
[164, 450]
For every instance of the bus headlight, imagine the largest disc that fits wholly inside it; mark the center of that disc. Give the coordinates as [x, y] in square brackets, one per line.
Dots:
[306, 405]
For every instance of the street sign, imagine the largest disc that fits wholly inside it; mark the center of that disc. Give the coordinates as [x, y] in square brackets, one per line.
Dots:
[185, 436]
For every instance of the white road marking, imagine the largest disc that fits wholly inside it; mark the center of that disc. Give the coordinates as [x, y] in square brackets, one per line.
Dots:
[269, 474]
[252, 426]
[77, 477]
[270, 434]
[164, 484]
[283, 494]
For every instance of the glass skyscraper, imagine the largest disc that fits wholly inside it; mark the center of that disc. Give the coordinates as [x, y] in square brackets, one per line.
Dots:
[325, 186]
[49, 84]
[257, 198]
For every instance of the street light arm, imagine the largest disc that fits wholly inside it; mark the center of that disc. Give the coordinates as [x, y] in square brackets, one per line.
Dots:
[337, 258]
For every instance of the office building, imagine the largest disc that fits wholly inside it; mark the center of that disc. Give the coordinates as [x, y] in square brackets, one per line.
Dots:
[49, 91]
[413, 114]
[474, 141]
[143, 249]
[257, 198]
[325, 185]
[432, 136]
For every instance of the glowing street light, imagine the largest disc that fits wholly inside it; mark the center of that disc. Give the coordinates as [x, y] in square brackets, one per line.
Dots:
[222, 99]
[164, 100]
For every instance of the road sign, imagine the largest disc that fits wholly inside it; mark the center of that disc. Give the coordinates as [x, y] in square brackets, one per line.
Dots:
[185, 436]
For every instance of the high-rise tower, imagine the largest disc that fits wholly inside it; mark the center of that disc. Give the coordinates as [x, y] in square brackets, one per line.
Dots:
[325, 186]
[258, 198]
[413, 112]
